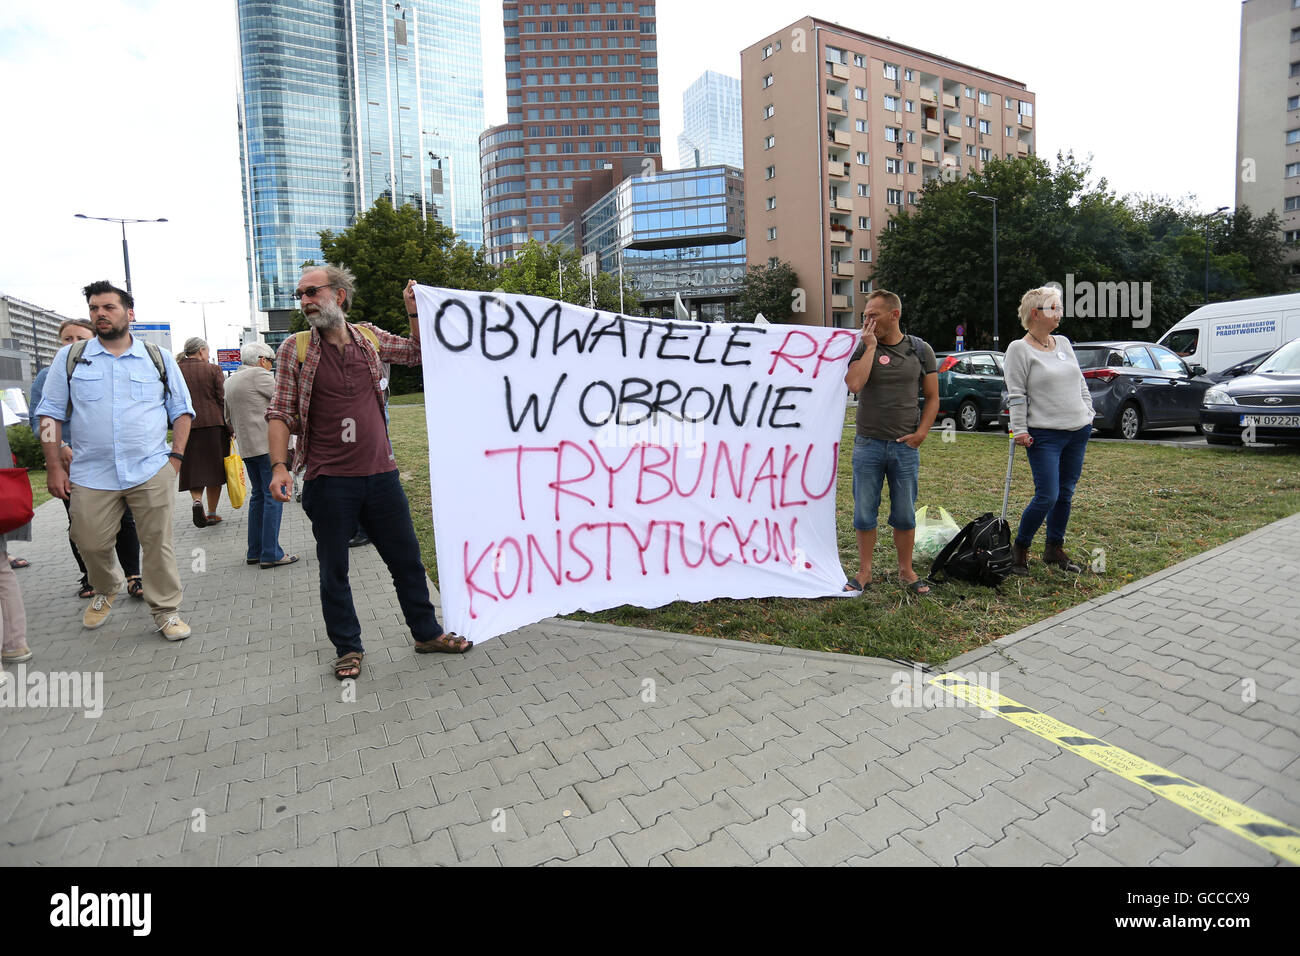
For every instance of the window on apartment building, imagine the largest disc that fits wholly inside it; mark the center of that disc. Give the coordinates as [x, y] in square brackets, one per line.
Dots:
[894, 197]
[986, 126]
[909, 106]
[968, 92]
[985, 99]
[864, 222]
[770, 173]
[985, 154]
[861, 158]
[911, 168]
[864, 190]
[1291, 235]
[891, 103]
[858, 60]
[1293, 102]
[767, 81]
[893, 165]
[891, 134]
[771, 202]
[771, 232]
[970, 121]
[1295, 34]
[1291, 204]
[1292, 169]
[860, 125]
[864, 286]
[859, 93]
[769, 111]
[910, 135]
[1026, 108]
[911, 198]
[1008, 103]
[767, 51]
[1009, 131]
[1295, 69]
[970, 150]
[1292, 136]
[909, 75]
[890, 71]
[769, 142]
[864, 255]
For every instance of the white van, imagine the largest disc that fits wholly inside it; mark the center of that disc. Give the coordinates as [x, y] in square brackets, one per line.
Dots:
[1221, 334]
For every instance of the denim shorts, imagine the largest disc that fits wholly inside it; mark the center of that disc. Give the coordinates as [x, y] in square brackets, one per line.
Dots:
[874, 460]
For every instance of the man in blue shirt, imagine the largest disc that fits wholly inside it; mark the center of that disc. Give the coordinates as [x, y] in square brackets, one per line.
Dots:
[120, 410]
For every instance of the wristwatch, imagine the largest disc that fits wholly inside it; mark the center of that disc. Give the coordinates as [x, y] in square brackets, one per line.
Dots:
[176, 455]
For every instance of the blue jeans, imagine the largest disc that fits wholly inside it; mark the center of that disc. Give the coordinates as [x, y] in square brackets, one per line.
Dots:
[874, 460]
[1056, 459]
[335, 506]
[263, 512]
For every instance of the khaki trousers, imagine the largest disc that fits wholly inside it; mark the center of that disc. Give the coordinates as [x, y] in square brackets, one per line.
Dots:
[96, 518]
[13, 617]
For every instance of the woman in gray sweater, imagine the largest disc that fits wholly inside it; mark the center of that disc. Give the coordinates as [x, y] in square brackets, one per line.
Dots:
[1051, 416]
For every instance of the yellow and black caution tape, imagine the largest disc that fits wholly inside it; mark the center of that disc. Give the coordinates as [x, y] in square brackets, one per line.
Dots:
[1272, 835]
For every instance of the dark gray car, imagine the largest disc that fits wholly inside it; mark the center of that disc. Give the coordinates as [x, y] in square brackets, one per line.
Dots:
[1140, 385]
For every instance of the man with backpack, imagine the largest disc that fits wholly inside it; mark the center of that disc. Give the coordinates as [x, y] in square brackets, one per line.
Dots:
[884, 372]
[118, 393]
[329, 391]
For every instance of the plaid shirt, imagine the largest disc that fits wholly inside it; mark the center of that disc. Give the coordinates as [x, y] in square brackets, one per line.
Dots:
[293, 382]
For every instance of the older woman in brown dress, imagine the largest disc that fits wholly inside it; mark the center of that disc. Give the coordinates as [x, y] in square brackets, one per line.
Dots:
[204, 465]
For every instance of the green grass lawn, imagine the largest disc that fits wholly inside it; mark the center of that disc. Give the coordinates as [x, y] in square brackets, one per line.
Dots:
[40, 494]
[1139, 507]
[410, 398]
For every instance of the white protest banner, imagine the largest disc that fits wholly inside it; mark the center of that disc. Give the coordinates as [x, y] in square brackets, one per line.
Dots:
[581, 460]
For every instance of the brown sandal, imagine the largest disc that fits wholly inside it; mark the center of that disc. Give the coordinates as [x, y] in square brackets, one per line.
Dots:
[346, 664]
[444, 644]
[135, 586]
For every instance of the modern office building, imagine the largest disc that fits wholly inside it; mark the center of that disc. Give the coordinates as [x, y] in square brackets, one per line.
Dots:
[342, 102]
[832, 154]
[680, 232]
[1268, 117]
[711, 122]
[36, 330]
[582, 94]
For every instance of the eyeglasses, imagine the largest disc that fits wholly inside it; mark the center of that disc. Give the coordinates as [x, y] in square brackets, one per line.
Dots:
[310, 291]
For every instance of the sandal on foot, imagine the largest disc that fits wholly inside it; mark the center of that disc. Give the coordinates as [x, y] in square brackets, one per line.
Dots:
[17, 563]
[214, 519]
[87, 590]
[134, 586]
[444, 644]
[348, 666]
[287, 559]
[200, 519]
[852, 585]
[920, 587]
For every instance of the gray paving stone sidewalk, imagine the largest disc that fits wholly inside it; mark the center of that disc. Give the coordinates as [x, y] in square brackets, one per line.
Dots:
[546, 746]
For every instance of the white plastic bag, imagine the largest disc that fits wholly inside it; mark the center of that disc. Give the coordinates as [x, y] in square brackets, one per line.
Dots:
[933, 533]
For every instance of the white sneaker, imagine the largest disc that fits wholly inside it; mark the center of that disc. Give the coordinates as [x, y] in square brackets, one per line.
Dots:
[174, 629]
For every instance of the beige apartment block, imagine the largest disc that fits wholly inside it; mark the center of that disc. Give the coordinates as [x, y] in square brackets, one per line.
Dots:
[1268, 117]
[842, 130]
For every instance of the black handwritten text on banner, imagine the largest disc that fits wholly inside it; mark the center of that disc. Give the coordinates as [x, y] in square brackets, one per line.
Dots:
[580, 460]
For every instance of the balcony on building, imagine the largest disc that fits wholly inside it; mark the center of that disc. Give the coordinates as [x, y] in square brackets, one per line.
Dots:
[844, 267]
[842, 203]
[837, 168]
[1026, 121]
[841, 136]
[840, 302]
[838, 70]
[929, 95]
[1022, 148]
[836, 104]
[840, 235]
[928, 155]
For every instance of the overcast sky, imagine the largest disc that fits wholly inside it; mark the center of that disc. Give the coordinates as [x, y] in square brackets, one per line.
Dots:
[127, 108]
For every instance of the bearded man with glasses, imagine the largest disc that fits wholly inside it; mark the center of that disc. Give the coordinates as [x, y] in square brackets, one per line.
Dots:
[333, 400]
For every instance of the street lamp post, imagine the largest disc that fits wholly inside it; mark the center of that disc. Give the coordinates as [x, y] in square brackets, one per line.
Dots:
[203, 304]
[126, 259]
[1207, 251]
[994, 200]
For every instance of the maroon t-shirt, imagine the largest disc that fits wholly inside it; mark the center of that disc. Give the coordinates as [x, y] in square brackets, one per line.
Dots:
[345, 430]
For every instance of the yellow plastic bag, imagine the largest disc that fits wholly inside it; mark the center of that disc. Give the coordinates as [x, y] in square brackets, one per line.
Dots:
[236, 479]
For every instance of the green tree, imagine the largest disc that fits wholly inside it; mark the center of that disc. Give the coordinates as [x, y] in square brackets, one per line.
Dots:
[384, 248]
[535, 270]
[770, 289]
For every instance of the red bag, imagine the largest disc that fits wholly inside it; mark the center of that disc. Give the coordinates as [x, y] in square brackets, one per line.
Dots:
[15, 499]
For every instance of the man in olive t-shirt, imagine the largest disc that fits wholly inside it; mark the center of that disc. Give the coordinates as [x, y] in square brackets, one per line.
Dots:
[884, 372]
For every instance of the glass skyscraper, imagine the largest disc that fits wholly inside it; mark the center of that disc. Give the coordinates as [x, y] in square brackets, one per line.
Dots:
[342, 102]
[711, 122]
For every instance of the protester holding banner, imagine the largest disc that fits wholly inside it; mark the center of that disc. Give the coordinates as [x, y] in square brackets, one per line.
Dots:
[884, 372]
[333, 401]
[209, 438]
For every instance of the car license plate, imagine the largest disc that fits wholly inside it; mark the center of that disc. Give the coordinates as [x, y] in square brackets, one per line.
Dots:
[1271, 421]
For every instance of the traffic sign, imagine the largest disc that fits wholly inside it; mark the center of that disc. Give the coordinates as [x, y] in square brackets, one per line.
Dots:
[229, 359]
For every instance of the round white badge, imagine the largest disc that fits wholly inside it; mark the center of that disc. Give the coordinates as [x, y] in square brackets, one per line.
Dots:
[383, 382]
[1061, 356]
